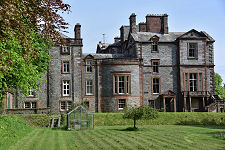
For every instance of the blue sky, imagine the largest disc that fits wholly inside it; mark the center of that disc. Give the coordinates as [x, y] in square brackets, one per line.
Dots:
[107, 16]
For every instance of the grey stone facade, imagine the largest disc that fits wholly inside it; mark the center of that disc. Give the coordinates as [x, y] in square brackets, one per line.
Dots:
[122, 73]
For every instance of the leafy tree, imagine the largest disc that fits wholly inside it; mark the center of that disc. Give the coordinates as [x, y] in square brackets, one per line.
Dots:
[219, 89]
[27, 28]
[142, 112]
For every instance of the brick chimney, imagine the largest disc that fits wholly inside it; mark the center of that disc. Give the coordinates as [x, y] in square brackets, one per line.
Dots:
[77, 31]
[133, 27]
[157, 23]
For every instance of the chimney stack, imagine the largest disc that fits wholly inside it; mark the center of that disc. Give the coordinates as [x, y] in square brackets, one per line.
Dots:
[133, 27]
[157, 23]
[77, 31]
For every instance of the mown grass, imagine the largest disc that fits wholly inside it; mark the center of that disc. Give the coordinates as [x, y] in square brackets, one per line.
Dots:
[207, 131]
[117, 137]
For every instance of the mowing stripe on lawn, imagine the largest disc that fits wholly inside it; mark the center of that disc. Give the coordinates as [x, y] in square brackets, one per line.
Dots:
[48, 141]
[115, 137]
[105, 139]
[26, 141]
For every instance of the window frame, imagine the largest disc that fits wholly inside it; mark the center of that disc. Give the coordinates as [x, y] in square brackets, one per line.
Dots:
[92, 87]
[155, 44]
[68, 47]
[127, 83]
[30, 104]
[89, 65]
[65, 61]
[67, 105]
[195, 52]
[153, 85]
[118, 103]
[153, 61]
[200, 85]
[66, 95]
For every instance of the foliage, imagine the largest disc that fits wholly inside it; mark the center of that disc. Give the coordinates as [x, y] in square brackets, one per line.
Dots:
[26, 30]
[12, 128]
[37, 120]
[164, 118]
[137, 113]
[219, 89]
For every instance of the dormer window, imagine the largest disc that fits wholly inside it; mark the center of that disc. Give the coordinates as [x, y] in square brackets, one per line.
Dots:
[192, 50]
[155, 40]
[89, 66]
[155, 46]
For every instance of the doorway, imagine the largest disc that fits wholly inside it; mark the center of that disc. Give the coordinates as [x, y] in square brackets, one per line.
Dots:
[169, 104]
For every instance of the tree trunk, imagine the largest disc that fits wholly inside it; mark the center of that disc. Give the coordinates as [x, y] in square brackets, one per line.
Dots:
[134, 123]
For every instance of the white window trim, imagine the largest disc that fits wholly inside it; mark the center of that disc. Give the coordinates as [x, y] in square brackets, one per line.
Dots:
[153, 85]
[66, 83]
[116, 82]
[89, 65]
[89, 86]
[67, 107]
[67, 64]
[30, 102]
[121, 103]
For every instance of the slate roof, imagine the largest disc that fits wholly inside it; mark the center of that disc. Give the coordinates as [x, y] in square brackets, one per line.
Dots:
[103, 56]
[146, 36]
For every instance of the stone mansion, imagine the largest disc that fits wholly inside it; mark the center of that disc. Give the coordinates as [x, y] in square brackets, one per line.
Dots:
[146, 65]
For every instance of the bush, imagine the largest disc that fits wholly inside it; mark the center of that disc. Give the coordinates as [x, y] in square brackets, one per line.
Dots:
[142, 112]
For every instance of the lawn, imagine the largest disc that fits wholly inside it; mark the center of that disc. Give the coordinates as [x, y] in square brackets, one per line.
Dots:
[117, 137]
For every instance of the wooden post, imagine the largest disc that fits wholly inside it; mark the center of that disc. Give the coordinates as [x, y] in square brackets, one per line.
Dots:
[185, 104]
[164, 104]
[190, 103]
[174, 103]
[203, 102]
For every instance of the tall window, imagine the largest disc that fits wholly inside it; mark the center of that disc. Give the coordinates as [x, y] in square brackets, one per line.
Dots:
[66, 88]
[89, 66]
[121, 84]
[154, 46]
[121, 104]
[193, 81]
[155, 66]
[65, 105]
[192, 51]
[89, 87]
[186, 82]
[155, 85]
[66, 67]
[200, 81]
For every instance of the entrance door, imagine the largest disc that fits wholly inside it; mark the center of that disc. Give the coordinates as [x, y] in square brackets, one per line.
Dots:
[169, 104]
[195, 103]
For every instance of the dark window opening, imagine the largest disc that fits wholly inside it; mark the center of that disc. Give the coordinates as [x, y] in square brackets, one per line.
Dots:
[155, 85]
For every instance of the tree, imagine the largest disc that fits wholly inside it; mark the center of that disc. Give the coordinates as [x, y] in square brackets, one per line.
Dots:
[28, 29]
[142, 112]
[219, 89]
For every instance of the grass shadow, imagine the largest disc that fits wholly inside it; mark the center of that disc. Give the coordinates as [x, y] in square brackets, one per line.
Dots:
[128, 129]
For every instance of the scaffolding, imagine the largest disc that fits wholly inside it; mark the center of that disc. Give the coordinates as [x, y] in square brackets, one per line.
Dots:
[80, 118]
